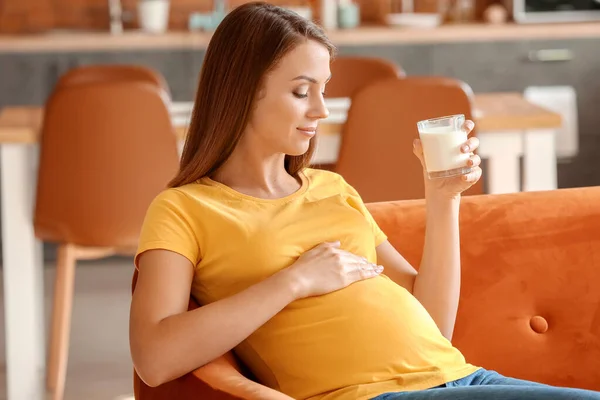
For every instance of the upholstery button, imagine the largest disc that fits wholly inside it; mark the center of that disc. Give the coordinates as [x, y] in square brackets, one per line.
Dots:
[539, 324]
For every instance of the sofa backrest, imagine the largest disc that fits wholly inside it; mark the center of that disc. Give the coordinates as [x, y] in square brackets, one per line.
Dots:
[530, 295]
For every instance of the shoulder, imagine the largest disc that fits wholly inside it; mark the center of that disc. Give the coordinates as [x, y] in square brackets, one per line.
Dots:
[170, 195]
[171, 223]
[186, 202]
[171, 198]
[192, 194]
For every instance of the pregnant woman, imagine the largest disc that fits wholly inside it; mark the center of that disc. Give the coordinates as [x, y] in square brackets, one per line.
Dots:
[291, 270]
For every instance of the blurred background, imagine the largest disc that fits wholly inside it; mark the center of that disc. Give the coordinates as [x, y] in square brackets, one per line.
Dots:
[526, 71]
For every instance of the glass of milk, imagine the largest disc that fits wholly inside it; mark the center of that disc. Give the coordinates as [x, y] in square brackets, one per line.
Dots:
[441, 139]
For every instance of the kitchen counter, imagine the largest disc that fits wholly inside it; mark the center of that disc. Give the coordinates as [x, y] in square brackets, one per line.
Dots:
[75, 41]
[489, 59]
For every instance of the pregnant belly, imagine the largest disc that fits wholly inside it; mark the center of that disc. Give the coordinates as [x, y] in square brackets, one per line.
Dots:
[373, 330]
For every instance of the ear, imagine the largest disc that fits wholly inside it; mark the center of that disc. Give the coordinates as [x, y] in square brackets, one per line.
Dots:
[262, 92]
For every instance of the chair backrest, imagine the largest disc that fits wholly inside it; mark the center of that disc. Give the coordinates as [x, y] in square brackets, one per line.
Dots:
[376, 150]
[351, 73]
[106, 150]
[112, 72]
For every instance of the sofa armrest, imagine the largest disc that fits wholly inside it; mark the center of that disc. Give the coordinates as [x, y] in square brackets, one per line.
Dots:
[221, 379]
[224, 374]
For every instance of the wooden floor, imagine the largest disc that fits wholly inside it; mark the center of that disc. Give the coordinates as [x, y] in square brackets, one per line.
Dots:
[99, 362]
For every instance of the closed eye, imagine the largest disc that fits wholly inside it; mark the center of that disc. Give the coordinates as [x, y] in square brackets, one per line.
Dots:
[303, 95]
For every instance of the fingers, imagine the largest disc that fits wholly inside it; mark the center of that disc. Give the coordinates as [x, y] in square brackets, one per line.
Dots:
[417, 148]
[352, 259]
[366, 271]
[418, 151]
[474, 161]
[417, 145]
[355, 266]
[468, 126]
[472, 176]
[470, 146]
[358, 267]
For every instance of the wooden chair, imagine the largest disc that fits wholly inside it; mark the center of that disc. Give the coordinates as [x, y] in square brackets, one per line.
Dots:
[113, 72]
[376, 150]
[351, 73]
[107, 149]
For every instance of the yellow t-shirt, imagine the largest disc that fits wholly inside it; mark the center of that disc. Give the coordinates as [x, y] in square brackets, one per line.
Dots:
[370, 338]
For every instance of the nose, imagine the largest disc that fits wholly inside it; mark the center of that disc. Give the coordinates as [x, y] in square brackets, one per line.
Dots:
[318, 109]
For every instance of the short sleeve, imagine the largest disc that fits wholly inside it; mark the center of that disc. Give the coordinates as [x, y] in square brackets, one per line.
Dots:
[358, 203]
[167, 225]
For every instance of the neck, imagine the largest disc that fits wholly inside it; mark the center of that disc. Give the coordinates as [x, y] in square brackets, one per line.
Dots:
[255, 174]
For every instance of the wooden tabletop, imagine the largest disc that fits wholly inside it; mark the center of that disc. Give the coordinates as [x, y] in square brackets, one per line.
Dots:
[511, 111]
[75, 41]
[492, 112]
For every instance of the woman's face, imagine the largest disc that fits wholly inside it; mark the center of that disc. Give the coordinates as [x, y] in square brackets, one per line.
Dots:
[290, 104]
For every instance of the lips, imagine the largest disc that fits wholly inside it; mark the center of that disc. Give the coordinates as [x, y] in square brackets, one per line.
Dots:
[310, 131]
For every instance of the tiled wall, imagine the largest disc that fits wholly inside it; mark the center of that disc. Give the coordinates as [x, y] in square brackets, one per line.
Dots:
[25, 16]
[28, 16]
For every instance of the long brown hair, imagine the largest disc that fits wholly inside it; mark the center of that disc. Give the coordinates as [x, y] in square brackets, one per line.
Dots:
[248, 44]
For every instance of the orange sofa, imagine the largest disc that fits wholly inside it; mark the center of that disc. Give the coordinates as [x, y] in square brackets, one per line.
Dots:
[530, 300]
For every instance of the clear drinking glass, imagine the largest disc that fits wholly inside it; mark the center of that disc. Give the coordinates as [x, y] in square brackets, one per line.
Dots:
[441, 139]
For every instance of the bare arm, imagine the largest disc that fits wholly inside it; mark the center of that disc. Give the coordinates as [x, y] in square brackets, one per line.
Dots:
[397, 268]
[221, 375]
[167, 341]
[437, 284]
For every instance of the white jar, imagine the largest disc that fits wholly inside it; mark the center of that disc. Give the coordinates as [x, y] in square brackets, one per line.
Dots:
[329, 14]
[153, 15]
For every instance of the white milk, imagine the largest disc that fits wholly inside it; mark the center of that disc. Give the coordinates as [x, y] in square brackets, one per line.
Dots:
[441, 148]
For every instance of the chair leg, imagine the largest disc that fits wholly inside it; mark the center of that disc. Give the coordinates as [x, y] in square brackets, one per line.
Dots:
[61, 320]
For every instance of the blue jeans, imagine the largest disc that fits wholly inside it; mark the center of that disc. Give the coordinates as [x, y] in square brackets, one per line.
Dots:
[489, 385]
